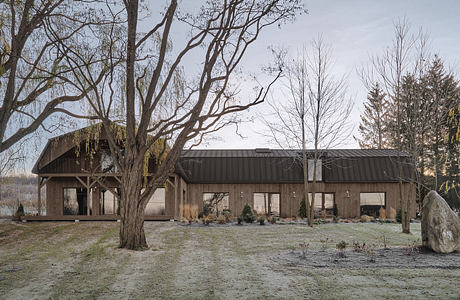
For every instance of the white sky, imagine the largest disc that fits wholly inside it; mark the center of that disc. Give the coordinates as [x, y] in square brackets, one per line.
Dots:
[355, 29]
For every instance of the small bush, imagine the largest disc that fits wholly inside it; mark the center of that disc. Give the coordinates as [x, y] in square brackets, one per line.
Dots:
[221, 219]
[341, 246]
[228, 216]
[247, 214]
[324, 243]
[303, 208]
[261, 220]
[239, 220]
[271, 220]
[336, 219]
[201, 215]
[398, 216]
[304, 249]
[19, 213]
[335, 210]
[208, 219]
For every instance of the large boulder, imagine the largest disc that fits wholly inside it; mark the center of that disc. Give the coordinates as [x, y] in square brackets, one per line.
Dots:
[440, 225]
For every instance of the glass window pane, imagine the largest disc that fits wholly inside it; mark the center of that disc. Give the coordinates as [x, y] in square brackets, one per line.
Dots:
[70, 202]
[318, 200]
[156, 204]
[372, 199]
[216, 202]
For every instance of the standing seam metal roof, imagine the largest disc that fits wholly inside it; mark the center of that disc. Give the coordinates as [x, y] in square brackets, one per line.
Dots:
[283, 166]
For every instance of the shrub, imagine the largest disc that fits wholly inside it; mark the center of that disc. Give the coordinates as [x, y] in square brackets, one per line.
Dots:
[271, 220]
[261, 220]
[20, 210]
[221, 219]
[239, 219]
[341, 247]
[304, 249]
[336, 219]
[398, 216]
[303, 208]
[228, 216]
[324, 243]
[201, 215]
[206, 209]
[208, 219]
[335, 210]
[247, 214]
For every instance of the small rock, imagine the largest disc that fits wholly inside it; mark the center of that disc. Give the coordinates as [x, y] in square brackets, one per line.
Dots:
[440, 225]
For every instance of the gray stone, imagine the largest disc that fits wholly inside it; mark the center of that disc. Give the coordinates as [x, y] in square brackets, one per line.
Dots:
[440, 225]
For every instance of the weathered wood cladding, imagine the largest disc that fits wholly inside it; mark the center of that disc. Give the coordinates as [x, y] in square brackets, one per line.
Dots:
[348, 207]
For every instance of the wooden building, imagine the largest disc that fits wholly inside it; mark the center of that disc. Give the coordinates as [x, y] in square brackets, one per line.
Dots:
[81, 183]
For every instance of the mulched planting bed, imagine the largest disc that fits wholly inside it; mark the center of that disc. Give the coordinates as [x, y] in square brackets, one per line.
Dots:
[383, 258]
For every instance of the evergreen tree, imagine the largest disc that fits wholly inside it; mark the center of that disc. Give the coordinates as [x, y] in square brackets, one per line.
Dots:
[372, 128]
[303, 208]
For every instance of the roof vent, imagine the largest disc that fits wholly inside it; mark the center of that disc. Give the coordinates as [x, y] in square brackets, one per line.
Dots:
[263, 150]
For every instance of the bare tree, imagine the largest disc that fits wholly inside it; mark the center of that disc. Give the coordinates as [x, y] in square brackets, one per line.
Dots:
[406, 56]
[160, 107]
[314, 112]
[35, 82]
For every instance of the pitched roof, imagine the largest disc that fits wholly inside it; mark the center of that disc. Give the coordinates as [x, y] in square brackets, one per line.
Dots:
[283, 166]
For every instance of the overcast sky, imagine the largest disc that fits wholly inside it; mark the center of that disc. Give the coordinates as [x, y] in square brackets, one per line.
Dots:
[355, 29]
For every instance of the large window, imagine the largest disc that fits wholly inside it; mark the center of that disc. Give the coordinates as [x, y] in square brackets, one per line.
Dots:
[323, 201]
[75, 201]
[267, 204]
[370, 203]
[156, 204]
[110, 205]
[319, 173]
[215, 202]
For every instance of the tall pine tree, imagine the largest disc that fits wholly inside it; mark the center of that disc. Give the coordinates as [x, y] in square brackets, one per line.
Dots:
[372, 128]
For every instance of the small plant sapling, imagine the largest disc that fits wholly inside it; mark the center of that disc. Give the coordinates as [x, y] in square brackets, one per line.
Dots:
[304, 249]
[412, 249]
[341, 248]
[370, 252]
[324, 243]
[357, 247]
[384, 240]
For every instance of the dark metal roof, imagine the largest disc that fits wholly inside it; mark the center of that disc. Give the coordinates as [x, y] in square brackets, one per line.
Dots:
[283, 166]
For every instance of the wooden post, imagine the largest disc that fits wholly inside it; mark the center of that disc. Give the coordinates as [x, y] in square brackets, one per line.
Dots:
[87, 195]
[176, 197]
[39, 196]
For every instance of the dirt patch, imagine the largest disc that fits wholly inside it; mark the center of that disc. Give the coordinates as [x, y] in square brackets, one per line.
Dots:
[381, 259]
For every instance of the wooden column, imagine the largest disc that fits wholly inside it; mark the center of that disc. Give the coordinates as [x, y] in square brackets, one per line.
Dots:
[39, 196]
[88, 193]
[176, 197]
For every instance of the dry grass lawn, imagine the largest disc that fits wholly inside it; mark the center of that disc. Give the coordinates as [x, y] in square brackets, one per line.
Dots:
[81, 260]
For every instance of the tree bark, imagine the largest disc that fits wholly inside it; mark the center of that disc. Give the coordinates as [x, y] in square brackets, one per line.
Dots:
[132, 234]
